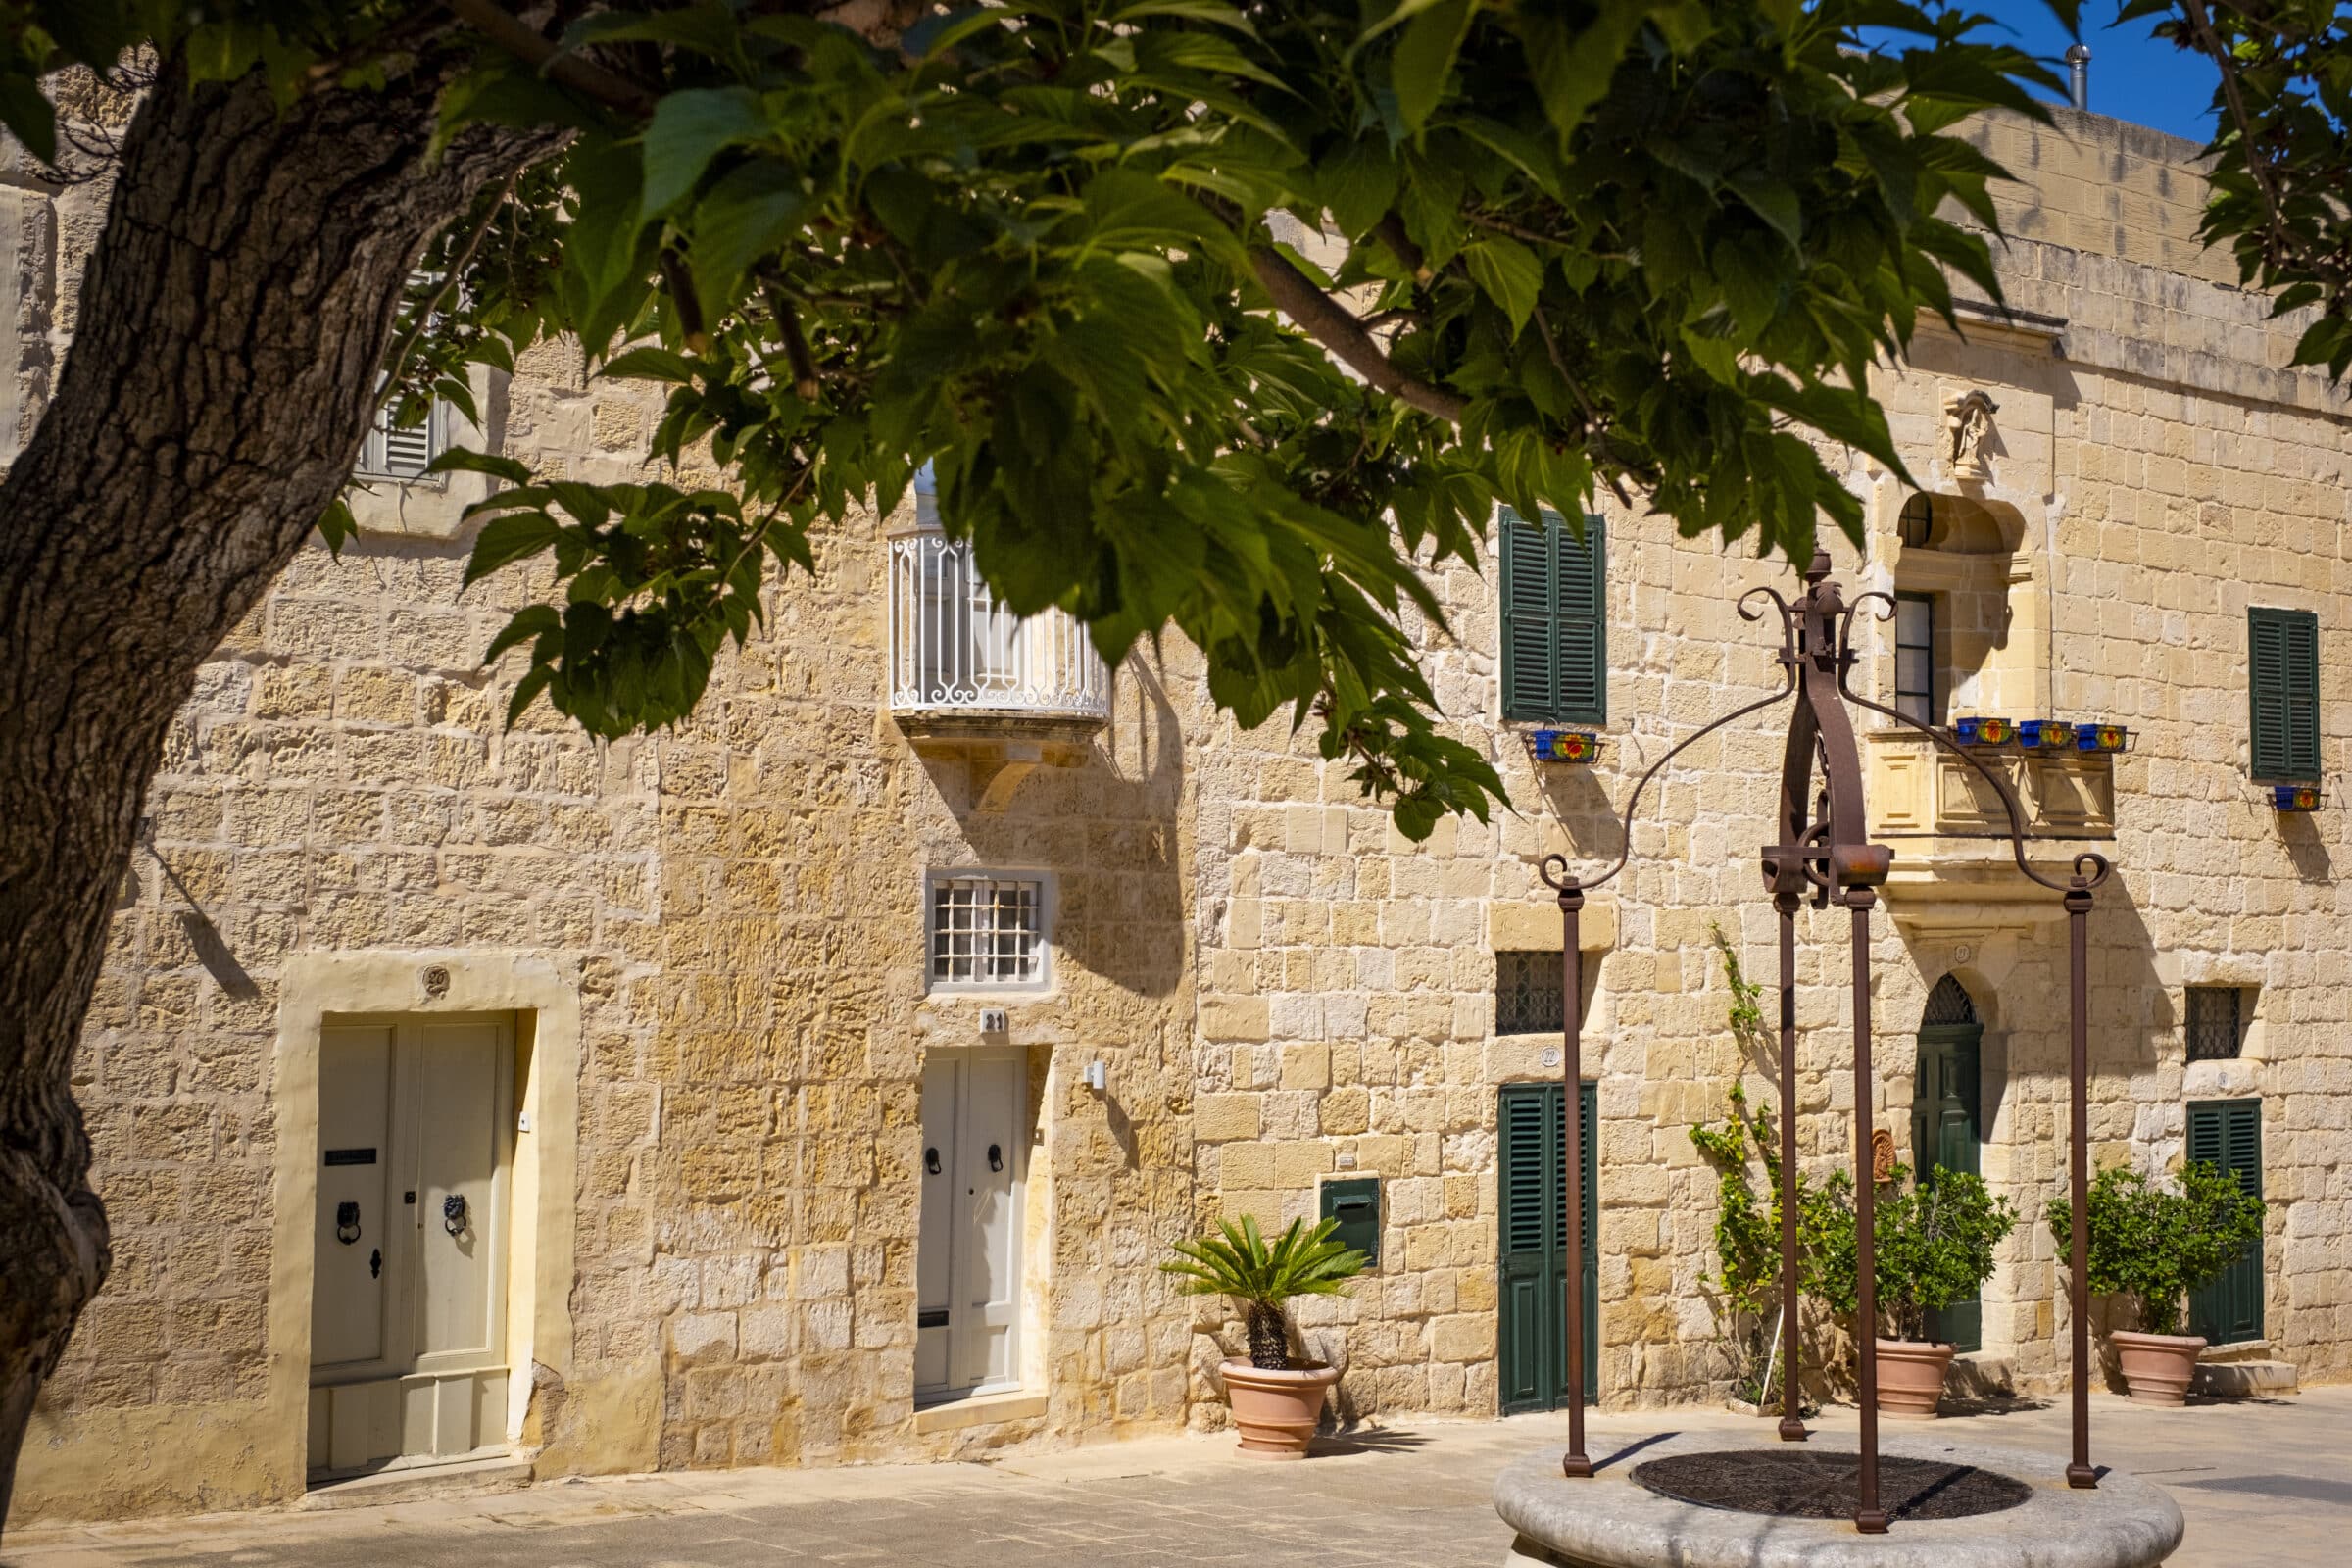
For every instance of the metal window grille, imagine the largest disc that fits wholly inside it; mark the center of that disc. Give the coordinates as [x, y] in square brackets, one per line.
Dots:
[1526, 994]
[2215, 1022]
[1949, 1004]
[1915, 657]
[988, 931]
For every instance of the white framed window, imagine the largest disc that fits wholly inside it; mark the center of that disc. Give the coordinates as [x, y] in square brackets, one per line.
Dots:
[988, 931]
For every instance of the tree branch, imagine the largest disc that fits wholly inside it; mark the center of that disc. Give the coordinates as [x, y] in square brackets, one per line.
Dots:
[517, 39]
[2210, 43]
[399, 358]
[1333, 326]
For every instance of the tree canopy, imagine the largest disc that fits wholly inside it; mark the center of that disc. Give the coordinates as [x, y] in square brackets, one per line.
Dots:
[1621, 246]
[1631, 247]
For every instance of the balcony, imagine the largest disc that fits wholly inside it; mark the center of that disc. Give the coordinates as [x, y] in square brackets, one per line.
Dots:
[1950, 835]
[959, 659]
[970, 678]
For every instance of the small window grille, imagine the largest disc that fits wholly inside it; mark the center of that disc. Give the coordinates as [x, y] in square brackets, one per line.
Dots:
[1526, 994]
[2215, 1022]
[988, 931]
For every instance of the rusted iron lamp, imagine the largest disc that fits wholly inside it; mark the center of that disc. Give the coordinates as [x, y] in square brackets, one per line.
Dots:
[1825, 852]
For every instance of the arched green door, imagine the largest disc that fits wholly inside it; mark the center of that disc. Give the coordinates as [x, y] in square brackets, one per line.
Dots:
[1946, 1129]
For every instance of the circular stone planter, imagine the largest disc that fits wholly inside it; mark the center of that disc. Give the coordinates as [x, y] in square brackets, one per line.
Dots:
[1911, 1377]
[2157, 1367]
[1611, 1521]
[1276, 1412]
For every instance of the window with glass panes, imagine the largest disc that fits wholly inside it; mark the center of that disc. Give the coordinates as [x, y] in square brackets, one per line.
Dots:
[988, 931]
[1915, 657]
[2215, 1022]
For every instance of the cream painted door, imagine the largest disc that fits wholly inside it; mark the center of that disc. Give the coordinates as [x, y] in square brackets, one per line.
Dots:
[968, 1261]
[408, 1322]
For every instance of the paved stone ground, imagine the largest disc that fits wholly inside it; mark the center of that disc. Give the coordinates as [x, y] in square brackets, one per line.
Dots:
[2264, 1482]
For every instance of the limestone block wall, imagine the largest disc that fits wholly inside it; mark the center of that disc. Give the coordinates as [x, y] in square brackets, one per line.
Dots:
[2158, 472]
[741, 902]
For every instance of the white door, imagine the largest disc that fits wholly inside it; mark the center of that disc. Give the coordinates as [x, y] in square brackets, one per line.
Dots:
[967, 1262]
[408, 1305]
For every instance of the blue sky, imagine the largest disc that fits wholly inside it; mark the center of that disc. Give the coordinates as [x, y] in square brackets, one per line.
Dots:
[2132, 76]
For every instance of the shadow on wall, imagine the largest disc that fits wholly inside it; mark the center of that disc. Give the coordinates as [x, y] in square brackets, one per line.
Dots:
[2300, 832]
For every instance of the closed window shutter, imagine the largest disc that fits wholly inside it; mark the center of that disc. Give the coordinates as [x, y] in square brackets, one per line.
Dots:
[2227, 1134]
[1530, 648]
[2282, 648]
[1584, 610]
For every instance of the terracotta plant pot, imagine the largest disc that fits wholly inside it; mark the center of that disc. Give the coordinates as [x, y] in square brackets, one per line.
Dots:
[2157, 1366]
[1276, 1412]
[1911, 1375]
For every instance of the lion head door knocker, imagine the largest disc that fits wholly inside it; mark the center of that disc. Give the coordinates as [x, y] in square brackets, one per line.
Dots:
[347, 1223]
[453, 1214]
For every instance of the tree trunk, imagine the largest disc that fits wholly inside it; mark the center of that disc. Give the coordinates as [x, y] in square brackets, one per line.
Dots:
[213, 403]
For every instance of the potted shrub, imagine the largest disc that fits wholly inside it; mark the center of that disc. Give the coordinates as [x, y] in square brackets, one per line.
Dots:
[1276, 1404]
[2155, 1244]
[1932, 1243]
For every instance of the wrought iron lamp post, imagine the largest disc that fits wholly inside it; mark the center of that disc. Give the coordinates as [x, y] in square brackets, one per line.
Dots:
[1825, 850]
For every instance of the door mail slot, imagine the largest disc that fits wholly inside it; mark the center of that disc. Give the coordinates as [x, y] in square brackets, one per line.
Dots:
[351, 1157]
[1355, 1204]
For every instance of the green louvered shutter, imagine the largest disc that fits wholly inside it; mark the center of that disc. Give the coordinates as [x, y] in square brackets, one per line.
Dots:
[1530, 654]
[1583, 574]
[2282, 648]
[1532, 1368]
[2227, 1134]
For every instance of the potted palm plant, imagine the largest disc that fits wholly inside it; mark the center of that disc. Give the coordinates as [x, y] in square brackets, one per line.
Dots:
[2154, 1244]
[1276, 1404]
[1932, 1243]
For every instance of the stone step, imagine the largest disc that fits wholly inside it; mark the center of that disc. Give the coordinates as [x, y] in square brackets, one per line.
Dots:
[2240, 1380]
[463, 1478]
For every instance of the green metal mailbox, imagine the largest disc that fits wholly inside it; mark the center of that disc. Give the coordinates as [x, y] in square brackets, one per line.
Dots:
[1355, 1204]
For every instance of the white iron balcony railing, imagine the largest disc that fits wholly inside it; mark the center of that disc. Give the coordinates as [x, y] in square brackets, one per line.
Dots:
[954, 651]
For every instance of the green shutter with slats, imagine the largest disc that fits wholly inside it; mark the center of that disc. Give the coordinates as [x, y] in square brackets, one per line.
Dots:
[2227, 1134]
[1530, 657]
[1582, 576]
[1532, 1364]
[2282, 657]
[1555, 621]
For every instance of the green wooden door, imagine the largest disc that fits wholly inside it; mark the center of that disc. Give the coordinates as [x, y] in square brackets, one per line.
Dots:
[2227, 1134]
[1531, 1362]
[1945, 1132]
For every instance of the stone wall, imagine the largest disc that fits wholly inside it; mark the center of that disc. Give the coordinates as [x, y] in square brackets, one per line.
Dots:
[1284, 991]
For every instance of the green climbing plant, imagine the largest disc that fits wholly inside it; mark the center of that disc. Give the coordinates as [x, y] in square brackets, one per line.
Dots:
[1748, 1225]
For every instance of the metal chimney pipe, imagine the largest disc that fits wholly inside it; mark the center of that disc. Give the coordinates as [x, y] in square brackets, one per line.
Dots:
[2078, 64]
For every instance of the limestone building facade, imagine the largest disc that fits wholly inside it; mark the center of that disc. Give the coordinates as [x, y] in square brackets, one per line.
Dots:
[825, 1080]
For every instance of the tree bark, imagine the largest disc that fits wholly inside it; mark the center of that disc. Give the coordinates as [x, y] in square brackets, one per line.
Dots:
[219, 383]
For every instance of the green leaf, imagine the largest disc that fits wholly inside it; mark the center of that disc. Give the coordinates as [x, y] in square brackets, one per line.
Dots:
[336, 526]
[1506, 272]
[648, 363]
[1425, 57]
[458, 460]
[508, 539]
[689, 129]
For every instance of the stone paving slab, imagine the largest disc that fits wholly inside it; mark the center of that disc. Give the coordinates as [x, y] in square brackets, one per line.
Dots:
[2260, 1482]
